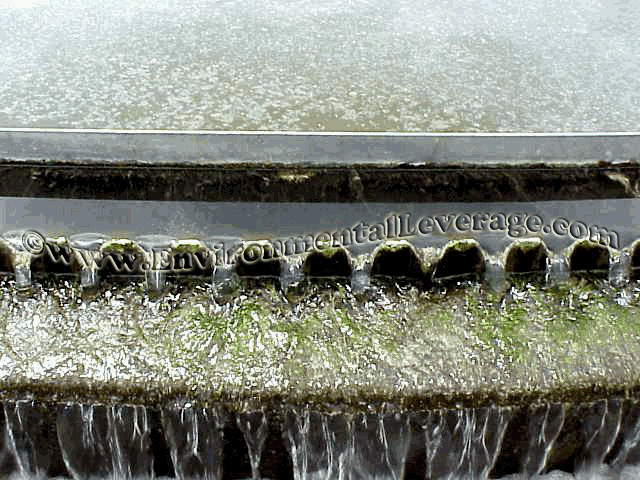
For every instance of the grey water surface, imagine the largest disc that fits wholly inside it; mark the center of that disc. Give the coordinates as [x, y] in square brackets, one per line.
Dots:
[360, 65]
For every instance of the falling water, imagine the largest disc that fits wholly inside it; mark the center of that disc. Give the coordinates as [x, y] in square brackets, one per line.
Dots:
[292, 273]
[464, 444]
[129, 438]
[630, 449]
[319, 445]
[494, 274]
[601, 426]
[545, 424]
[619, 270]
[106, 442]
[324, 446]
[254, 428]
[195, 436]
[558, 270]
[380, 446]
[83, 433]
[597, 441]
[24, 437]
[361, 275]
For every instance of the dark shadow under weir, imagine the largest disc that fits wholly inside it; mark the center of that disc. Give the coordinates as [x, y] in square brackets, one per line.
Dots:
[398, 262]
[589, 259]
[526, 258]
[460, 261]
[635, 263]
[6, 264]
[259, 268]
[328, 264]
[257, 274]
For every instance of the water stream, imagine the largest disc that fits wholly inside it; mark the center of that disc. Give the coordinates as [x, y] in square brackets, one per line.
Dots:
[336, 447]
[253, 426]
[545, 424]
[105, 442]
[114, 442]
[23, 438]
[464, 443]
[195, 436]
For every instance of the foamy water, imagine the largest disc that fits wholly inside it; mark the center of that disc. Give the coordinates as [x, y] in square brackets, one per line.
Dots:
[13, 4]
[411, 65]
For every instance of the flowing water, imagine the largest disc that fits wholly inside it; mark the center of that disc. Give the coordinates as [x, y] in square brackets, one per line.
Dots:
[253, 426]
[113, 442]
[105, 442]
[464, 443]
[195, 436]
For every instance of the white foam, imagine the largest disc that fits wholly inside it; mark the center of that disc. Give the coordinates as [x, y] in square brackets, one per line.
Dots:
[22, 3]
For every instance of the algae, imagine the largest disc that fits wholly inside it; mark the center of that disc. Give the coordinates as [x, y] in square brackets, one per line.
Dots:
[187, 247]
[119, 246]
[525, 341]
[330, 252]
[393, 247]
[461, 245]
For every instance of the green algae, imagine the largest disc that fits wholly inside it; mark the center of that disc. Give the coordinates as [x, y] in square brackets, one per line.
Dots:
[505, 332]
[187, 247]
[393, 247]
[461, 245]
[326, 341]
[528, 244]
[330, 252]
[331, 333]
[119, 246]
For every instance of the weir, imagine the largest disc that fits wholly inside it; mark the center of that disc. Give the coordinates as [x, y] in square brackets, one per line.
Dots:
[450, 306]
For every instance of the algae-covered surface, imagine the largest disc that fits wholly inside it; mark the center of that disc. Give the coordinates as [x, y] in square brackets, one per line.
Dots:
[319, 342]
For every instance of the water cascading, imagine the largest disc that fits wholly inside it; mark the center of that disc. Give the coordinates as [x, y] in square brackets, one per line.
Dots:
[195, 436]
[210, 304]
[96, 441]
[105, 441]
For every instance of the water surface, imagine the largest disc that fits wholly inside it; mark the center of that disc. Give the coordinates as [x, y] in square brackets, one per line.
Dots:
[382, 65]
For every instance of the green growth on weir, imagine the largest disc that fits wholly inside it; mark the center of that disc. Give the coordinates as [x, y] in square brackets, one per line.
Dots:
[462, 245]
[528, 244]
[119, 246]
[330, 251]
[393, 247]
[187, 247]
[326, 335]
